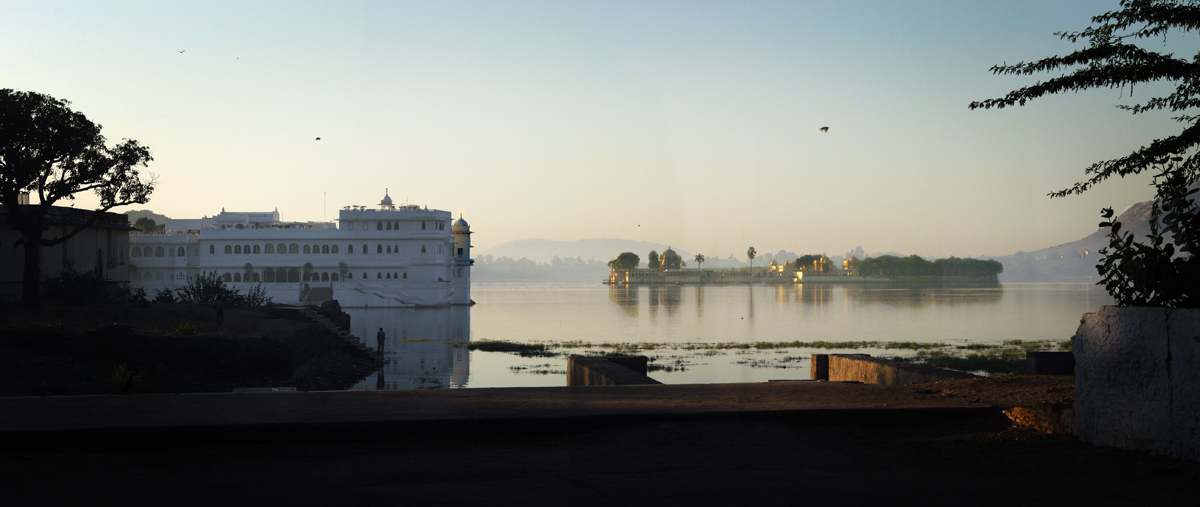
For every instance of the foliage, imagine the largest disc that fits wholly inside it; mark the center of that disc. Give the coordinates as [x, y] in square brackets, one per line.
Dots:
[138, 297]
[671, 260]
[164, 296]
[653, 261]
[75, 288]
[145, 224]
[914, 265]
[627, 260]
[53, 153]
[1152, 274]
[343, 270]
[207, 288]
[307, 271]
[751, 253]
[1159, 273]
[699, 259]
[184, 329]
[125, 381]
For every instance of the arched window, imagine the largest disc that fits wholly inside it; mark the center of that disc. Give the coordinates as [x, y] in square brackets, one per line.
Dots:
[158, 251]
[149, 252]
[422, 248]
[147, 276]
[268, 275]
[137, 251]
[324, 277]
[245, 248]
[396, 249]
[316, 249]
[379, 226]
[268, 249]
[422, 225]
[389, 276]
[364, 248]
[349, 248]
[396, 225]
[325, 249]
[280, 249]
[333, 277]
[406, 275]
[334, 249]
[389, 249]
[389, 226]
[378, 248]
[212, 249]
[237, 249]
[158, 276]
[307, 249]
[254, 276]
[181, 252]
[349, 276]
[228, 277]
[293, 275]
[228, 249]
[256, 250]
[293, 248]
[364, 275]
[379, 275]
[237, 277]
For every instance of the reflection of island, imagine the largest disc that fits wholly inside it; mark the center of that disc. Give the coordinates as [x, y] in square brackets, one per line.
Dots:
[426, 348]
[669, 297]
[920, 296]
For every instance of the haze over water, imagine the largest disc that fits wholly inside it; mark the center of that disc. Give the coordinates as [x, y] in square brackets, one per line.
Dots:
[601, 316]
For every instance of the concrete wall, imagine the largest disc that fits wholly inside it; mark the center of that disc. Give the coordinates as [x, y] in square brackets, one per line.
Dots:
[608, 371]
[1137, 379]
[870, 370]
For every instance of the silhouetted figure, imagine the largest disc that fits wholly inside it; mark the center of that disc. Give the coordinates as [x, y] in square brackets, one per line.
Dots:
[824, 129]
[381, 337]
[220, 306]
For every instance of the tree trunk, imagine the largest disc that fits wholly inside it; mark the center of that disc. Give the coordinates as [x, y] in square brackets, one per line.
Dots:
[31, 286]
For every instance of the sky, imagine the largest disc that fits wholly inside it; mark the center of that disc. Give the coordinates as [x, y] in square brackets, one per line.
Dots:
[693, 124]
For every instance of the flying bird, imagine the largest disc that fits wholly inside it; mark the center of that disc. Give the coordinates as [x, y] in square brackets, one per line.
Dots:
[318, 139]
[824, 129]
[183, 50]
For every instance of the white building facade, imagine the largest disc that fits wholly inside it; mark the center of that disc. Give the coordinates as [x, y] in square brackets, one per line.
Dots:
[396, 256]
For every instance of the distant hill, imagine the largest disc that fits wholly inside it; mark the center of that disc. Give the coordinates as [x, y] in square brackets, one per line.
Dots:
[604, 250]
[134, 215]
[1073, 262]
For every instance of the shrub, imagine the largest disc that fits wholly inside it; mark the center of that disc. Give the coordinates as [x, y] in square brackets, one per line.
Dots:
[164, 296]
[71, 287]
[207, 288]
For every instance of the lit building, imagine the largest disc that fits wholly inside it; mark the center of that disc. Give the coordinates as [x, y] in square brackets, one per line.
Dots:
[394, 256]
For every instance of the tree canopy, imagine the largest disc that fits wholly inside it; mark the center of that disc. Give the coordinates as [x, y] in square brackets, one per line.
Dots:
[627, 260]
[671, 260]
[653, 261]
[51, 152]
[915, 265]
[1112, 59]
[145, 224]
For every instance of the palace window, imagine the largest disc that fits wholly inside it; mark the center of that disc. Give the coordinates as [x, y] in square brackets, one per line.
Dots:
[237, 249]
[349, 248]
[212, 249]
[333, 249]
[237, 277]
[365, 248]
[269, 275]
[256, 249]
[379, 226]
[396, 225]
[280, 248]
[293, 248]
[158, 251]
[228, 249]
[378, 248]
[245, 248]
[349, 226]
[422, 248]
[269, 249]
[181, 252]
[389, 226]
[254, 277]
[422, 226]
[364, 275]
[406, 274]
[333, 277]
[460, 252]
[389, 276]
[324, 277]
[307, 249]
[379, 275]
[389, 249]
[325, 249]
[228, 277]
[349, 276]
[316, 249]
[137, 251]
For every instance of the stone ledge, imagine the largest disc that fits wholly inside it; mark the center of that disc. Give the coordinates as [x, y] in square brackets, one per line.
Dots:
[608, 371]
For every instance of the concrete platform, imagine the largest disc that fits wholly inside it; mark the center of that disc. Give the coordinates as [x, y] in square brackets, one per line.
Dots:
[122, 421]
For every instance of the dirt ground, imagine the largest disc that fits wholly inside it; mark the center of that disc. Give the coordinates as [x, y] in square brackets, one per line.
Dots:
[64, 350]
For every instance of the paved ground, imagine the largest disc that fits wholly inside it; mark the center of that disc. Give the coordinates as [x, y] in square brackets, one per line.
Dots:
[793, 443]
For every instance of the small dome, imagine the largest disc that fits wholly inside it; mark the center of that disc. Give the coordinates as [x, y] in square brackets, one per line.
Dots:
[387, 199]
[459, 225]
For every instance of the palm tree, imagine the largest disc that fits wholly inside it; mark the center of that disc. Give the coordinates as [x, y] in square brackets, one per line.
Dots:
[751, 253]
[699, 260]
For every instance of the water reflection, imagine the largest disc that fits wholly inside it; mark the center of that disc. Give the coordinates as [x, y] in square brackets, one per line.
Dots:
[626, 297]
[425, 348]
[921, 296]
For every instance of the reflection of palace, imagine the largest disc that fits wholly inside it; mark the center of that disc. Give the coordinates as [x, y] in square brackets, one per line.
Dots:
[426, 348]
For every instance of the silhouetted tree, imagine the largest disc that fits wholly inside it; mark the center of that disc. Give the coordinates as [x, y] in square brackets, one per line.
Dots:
[145, 224]
[51, 152]
[1134, 273]
[671, 260]
[654, 262]
[627, 260]
[699, 260]
[751, 253]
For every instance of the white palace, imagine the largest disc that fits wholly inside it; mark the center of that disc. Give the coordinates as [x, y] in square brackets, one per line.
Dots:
[395, 256]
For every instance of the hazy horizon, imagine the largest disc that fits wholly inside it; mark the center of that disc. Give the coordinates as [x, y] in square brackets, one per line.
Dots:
[690, 124]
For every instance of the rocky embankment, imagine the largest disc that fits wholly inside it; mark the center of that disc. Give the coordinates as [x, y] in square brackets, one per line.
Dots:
[173, 348]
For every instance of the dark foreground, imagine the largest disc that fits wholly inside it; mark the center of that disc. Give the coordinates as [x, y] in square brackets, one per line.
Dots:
[941, 443]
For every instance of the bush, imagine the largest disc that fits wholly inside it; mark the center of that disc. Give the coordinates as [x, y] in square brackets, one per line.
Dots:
[207, 288]
[164, 296]
[74, 288]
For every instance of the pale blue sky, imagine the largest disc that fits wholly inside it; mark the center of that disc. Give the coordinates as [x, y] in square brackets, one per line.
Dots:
[687, 123]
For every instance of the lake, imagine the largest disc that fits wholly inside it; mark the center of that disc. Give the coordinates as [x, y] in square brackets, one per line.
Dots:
[707, 334]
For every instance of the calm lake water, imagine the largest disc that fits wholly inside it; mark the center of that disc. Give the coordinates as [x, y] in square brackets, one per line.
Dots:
[690, 329]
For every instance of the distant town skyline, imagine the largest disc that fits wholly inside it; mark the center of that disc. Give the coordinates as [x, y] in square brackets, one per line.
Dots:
[682, 123]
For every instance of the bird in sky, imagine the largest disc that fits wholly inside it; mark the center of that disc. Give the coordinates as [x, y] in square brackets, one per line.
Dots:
[183, 50]
[318, 139]
[824, 129]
